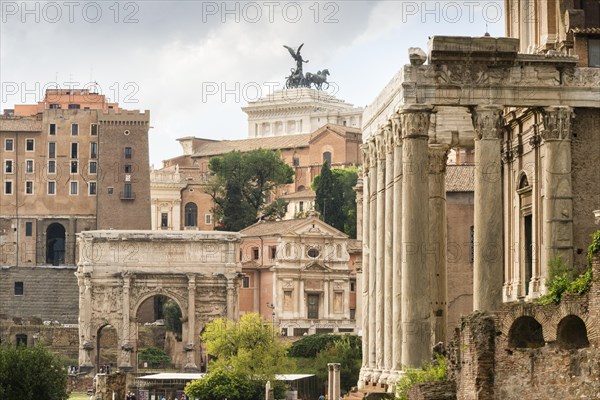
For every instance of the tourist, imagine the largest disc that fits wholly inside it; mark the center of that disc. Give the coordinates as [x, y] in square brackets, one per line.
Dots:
[321, 397]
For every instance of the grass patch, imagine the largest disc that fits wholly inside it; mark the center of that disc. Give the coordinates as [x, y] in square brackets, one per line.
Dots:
[79, 396]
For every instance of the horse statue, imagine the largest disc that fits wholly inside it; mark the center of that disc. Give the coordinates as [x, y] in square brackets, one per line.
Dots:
[319, 79]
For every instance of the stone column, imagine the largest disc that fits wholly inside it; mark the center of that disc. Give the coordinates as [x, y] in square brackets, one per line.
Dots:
[333, 382]
[380, 257]
[326, 296]
[126, 346]
[415, 309]
[558, 195]
[372, 249]
[364, 290]
[397, 250]
[388, 257]
[85, 325]
[487, 274]
[231, 306]
[191, 317]
[436, 254]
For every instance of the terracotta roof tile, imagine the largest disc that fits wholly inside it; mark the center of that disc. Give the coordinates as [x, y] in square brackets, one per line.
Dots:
[270, 228]
[299, 195]
[273, 143]
[460, 178]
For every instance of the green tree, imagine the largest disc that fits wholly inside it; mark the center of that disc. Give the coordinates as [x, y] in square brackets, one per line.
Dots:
[154, 356]
[241, 184]
[246, 355]
[335, 197]
[276, 210]
[172, 314]
[348, 353]
[31, 373]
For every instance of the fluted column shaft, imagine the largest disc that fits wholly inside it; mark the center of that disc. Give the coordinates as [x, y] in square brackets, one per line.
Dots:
[436, 254]
[558, 194]
[487, 274]
[388, 257]
[397, 249]
[380, 260]
[372, 252]
[365, 259]
[415, 309]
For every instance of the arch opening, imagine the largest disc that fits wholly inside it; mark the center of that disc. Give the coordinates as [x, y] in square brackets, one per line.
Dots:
[107, 344]
[55, 244]
[526, 333]
[571, 333]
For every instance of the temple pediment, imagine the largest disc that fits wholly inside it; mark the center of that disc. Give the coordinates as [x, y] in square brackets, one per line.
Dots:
[315, 266]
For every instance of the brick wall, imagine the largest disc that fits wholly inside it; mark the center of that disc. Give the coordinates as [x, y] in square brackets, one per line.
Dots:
[49, 293]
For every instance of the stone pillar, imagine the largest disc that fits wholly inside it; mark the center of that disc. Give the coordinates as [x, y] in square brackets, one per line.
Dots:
[558, 195]
[388, 257]
[397, 250]
[415, 308]
[333, 381]
[231, 306]
[126, 346]
[372, 249]
[191, 319]
[487, 274]
[85, 336]
[326, 296]
[380, 255]
[436, 254]
[366, 226]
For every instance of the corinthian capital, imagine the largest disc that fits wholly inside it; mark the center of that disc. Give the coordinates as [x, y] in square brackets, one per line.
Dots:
[415, 121]
[366, 155]
[487, 121]
[557, 122]
[380, 144]
[372, 152]
[388, 137]
[397, 129]
[438, 156]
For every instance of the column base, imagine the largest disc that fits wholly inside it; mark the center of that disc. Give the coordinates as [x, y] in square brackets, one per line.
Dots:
[383, 378]
[375, 376]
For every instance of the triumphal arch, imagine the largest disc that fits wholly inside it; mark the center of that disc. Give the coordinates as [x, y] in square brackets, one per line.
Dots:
[532, 120]
[118, 270]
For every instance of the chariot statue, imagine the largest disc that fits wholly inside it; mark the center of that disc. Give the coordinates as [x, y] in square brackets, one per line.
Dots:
[297, 79]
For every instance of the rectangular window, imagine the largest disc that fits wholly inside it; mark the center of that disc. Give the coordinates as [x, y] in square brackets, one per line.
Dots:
[52, 129]
[8, 187]
[29, 144]
[74, 106]
[74, 186]
[9, 144]
[255, 253]
[74, 150]
[164, 220]
[74, 129]
[93, 150]
[128, 152]
[51, 150]
[28, 229]
[594, 52]
[288, 302]
[51, 187]
[92, 188]
[127, 191]
[54, 106]
[128, 168]
[352, 313]
[94, 129]
[18, 288]
[207, 219]
[74, 167]
[51, 167]
[28, 187]
[273, 250]
[301, 206]
[9, 167]
[93, 169]
[353, 286]
[246, 282]
[29, 166]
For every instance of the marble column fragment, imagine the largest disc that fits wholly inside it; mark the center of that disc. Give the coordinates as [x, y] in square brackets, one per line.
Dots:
[415, 309]
[380, 258]
[436, 254]
[558, 191]
[487, 274]
[397, 249]
[388, 257]
[191, 320]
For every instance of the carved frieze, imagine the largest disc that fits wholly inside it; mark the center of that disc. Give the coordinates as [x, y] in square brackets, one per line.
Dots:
[589, 77]
[487, 121]
[557, 122]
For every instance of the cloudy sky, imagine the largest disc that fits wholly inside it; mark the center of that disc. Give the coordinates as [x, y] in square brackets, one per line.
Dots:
[195, 64]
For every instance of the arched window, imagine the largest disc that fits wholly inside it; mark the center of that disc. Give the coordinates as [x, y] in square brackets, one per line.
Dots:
[191, 214]
[327, 157]
[525, 233]
[526, 332]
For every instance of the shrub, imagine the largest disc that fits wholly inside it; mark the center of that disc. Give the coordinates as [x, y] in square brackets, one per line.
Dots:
[594, 247]
[154, 356]
[310, 345]
[435, 372]
[561, 280]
